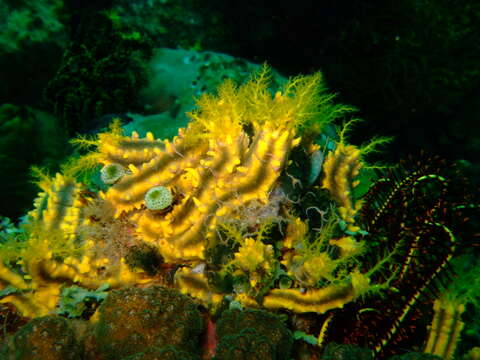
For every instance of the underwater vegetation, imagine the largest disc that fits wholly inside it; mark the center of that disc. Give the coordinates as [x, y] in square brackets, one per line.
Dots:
[251, 234]
[110, 59]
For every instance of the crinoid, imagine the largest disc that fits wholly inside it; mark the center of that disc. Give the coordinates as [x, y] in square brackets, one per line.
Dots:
[416, 216]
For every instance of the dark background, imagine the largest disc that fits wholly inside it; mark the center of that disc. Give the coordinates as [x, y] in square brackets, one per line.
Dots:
[410, 67]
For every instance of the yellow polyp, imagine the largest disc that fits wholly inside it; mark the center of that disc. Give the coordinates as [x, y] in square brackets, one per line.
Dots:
[197, 202]
[101, 262]
[206, 163]
[242, 169]
[171, 169]
[84, 266]
[169, 147]
[275, 134]
[133, 169]
[229, 169]
[135, 135]
[276, 163]
[353, 228]
[150, 136]
[221, 212]
[278, 96]
[262, 147]
[168, 231]
[296, 142]
[220, 184]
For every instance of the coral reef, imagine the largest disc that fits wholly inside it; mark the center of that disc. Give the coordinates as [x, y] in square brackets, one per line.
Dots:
[131, 320]
[252, 334]
[49, 338]
[240, 211]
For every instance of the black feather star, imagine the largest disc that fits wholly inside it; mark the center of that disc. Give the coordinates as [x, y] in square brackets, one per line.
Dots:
[415, 216]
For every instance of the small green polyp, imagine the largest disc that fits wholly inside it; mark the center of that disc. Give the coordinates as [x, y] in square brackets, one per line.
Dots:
[158, 198]
[111, 173]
